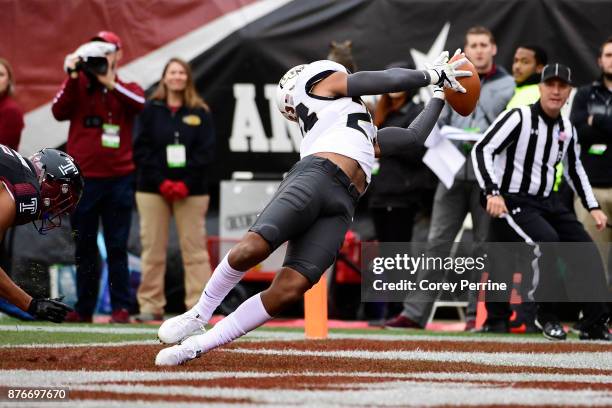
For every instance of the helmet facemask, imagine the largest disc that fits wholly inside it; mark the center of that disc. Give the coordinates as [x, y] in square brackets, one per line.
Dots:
[57, 200]
[61, 187]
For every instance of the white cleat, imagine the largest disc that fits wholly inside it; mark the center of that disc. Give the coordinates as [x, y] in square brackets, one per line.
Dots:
[180, 327]
[178, 354]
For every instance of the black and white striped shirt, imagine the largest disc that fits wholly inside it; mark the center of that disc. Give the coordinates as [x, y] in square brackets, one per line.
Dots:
[519, 153]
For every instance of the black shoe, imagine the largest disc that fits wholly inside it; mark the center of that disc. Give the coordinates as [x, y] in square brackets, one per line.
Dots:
[532, 328]
[498, 326]
[598, 331]
[577, 327]
[552, 330]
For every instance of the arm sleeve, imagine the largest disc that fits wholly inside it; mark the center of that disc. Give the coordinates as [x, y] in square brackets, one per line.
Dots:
[66, 99]
[577, 177]
[130, 94]
[387, 81]
[504, 131]
[203, 153]
[393, 140]
[445, 116]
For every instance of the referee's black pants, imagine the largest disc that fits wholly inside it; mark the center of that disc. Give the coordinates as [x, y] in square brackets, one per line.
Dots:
[534, 220]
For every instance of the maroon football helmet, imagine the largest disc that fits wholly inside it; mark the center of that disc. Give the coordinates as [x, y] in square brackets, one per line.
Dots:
[61, 186]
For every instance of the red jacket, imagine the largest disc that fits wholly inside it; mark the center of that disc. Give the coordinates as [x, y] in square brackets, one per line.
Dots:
[89, 105]
[11, 122]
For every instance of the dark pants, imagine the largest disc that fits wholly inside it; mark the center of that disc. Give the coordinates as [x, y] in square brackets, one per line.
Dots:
[449, 210]
[312, 209]
[111, 200]
[394, 224]
[542, 221]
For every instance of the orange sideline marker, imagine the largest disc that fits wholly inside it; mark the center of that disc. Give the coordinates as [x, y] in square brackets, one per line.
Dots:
[315, 310]
[481, 309]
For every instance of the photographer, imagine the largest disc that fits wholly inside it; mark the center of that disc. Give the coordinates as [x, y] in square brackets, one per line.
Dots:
[101, 109]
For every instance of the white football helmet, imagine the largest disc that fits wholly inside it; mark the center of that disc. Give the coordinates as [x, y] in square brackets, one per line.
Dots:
[284, 92]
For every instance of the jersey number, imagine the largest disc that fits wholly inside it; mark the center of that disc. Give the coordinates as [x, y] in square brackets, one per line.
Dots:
[353, 119]
[308, 121]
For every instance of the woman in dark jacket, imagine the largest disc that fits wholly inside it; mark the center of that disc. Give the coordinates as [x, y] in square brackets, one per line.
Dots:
[174, 147]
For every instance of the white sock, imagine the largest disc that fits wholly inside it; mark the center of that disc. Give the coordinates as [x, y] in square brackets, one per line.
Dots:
[249, 315]
[222, 281]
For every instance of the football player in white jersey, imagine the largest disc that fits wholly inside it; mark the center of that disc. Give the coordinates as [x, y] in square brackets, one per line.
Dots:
[315, 203]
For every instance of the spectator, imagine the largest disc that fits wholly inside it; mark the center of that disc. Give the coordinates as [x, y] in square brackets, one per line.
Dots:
[173, 150]
[529, 60]
[403, 186]
[518, 196]
[101, 109]
[592, 116]
[452, 205]
[11, 116]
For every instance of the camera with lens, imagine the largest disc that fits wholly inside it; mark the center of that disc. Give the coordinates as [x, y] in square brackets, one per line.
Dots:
[91, 58]
[93, 65]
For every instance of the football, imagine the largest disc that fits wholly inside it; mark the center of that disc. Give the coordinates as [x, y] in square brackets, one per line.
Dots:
[464, 103]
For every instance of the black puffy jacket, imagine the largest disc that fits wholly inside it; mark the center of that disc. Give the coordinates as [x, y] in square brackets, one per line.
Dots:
[596, 100]
[156, 128]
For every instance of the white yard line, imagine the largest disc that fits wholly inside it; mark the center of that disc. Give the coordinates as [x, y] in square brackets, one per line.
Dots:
[487, 390]
[77, 329]
[406, 392]
[84, 345]
[596, 360]
[121, 404]
[418, 336]
[293, 335]
[33, 378]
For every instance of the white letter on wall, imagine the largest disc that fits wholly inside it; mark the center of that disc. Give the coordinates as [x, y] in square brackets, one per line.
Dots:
[247, 123]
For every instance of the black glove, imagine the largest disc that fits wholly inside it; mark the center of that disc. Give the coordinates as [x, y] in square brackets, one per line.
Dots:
[49, 309]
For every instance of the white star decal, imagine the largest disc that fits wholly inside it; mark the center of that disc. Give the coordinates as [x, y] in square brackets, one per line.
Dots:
[421, 59]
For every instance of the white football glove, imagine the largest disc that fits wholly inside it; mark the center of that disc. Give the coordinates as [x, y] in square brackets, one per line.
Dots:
[438, 92]
[443, 73]
[95, 49]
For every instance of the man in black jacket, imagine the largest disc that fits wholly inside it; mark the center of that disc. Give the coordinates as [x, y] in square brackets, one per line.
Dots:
[592, 116]
[515, 163]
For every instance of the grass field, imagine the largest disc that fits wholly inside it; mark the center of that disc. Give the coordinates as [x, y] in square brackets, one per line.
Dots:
[113, 365]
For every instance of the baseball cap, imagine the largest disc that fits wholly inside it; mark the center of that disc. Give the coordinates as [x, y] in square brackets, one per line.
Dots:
[556, 70]
[109, 37]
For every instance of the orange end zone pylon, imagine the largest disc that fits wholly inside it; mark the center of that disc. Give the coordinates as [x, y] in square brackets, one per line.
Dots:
[315, 310]
[481, 310]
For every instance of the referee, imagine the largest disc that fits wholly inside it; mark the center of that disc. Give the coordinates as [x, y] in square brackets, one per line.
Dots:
[515, 165]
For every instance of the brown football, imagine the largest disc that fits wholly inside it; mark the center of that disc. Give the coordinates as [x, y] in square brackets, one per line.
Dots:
[464, 103]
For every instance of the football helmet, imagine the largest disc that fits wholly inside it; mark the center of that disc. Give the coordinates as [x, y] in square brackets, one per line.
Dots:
[61, 186]
[284, 92]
